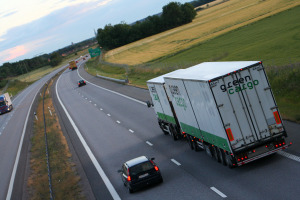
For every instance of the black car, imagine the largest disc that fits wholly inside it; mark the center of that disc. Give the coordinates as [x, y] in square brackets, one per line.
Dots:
[140, 172]
[81, 83]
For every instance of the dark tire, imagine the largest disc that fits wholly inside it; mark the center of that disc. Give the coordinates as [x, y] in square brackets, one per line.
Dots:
[161, 180]
[222, 156]
[173, 132]
[228, 161]
[208, 150]
[216, 154]
[189, 140]
[130, 190]
[196, 148]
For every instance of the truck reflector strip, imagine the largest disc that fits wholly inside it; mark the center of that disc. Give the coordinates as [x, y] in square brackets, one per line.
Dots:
[229, 134]
[277, 118]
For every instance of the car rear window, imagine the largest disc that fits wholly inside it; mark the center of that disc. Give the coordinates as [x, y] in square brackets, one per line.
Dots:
[142, 167]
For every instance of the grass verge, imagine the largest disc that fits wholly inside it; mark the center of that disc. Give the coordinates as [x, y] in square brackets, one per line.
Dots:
[65, 181]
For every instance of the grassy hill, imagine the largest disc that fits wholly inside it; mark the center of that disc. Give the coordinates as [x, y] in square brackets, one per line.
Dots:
[208, 24]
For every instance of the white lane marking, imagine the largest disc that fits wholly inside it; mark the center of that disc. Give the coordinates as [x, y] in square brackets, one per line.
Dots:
[13, 175]
[218, 192]
[95, 104]
[113, 91]
[174, 161]
[288, 155]
[108, 115]
[90, 101]
[101, 109]
[149, 143]
[131, 131]
[108, 184]
[118, 122]
[86, 98]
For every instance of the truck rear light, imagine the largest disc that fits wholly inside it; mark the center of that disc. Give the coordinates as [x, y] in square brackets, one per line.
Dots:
[280, 144]
[229, 134]
[283, 143]
[277, 118]
[128, 178]
[239, 160]
[266, 146]
[253, 150]
[276, 145]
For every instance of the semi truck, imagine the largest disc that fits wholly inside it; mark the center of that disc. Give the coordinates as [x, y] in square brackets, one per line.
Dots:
[163, 107]
[227, 109]
[5, 103]
[72, 65]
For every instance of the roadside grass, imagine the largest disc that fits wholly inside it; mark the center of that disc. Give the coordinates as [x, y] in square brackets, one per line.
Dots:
[15, 86]
[209, 23]
[65, 181]
[285, 83]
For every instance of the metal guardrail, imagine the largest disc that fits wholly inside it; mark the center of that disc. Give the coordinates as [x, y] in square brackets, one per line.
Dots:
[46, 147]
[114, 79]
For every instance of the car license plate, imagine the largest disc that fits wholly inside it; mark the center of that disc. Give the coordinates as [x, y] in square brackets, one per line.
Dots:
[144, 175]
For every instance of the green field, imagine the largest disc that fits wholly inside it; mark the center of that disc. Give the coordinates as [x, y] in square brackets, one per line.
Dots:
[274, 40]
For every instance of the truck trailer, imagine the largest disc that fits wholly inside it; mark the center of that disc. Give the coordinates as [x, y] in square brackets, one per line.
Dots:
[5, 103]
[72, 65]
[163, 106]
[227, 109]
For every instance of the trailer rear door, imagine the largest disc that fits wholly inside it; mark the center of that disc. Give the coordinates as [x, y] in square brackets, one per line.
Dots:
[246, 105]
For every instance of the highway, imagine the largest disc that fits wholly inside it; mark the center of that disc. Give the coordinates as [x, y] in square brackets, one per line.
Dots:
[14, 140]
[108, 124]
[116, 128]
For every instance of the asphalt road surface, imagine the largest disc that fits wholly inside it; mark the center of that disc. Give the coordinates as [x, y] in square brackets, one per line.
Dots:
[115, 128]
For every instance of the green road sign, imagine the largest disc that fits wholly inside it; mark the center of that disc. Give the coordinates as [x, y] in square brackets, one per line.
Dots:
[95, 52]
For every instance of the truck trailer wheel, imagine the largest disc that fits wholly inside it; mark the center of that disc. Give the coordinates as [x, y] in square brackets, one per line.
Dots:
[222, 156]
[173, 132]
[229, 161]
[189, 140]
[216, 154]
[208, 150]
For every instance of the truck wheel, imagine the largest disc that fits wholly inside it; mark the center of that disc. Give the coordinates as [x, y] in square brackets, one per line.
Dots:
[222, 156]
[216, 154]
[229, 161]
[189, 140]
[208, 150]
[173, 132]
[196, 148]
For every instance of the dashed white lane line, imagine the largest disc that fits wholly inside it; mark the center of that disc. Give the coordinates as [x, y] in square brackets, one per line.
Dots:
[218, 192]
[149, 143]
[95, 104]
[174, 161]
[118, 122]
[131, 131]
[101, 109]
[90, 101]
[108, 115]
[288, 155]
[86, 98]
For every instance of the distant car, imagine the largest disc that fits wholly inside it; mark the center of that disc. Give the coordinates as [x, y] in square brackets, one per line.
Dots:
[140, 172]
[81, 83]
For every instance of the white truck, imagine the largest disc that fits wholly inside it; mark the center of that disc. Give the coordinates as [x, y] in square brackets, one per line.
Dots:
[163, 107]
[5, 103]
[227, 109]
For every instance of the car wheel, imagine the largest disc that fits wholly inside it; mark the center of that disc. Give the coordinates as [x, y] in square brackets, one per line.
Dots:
[130, 190]
[161, 180]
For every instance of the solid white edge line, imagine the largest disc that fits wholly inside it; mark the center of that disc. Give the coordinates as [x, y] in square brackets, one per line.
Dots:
[141, 102]
[149, 143]
[174, 161]
[218, 192]
[106, 181]
[13, 175]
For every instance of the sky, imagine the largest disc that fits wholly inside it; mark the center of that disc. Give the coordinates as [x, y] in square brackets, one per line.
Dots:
[29, 28]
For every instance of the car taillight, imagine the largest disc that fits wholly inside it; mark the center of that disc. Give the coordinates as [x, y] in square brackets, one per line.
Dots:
[128, 178]
[156, 168]
[84, 81]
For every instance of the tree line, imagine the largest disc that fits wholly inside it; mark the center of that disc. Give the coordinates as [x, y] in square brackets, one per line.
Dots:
[174, 14]
[53, 59]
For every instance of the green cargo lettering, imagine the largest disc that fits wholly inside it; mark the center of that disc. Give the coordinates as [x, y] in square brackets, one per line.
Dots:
[249, 86]
[180, 102]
